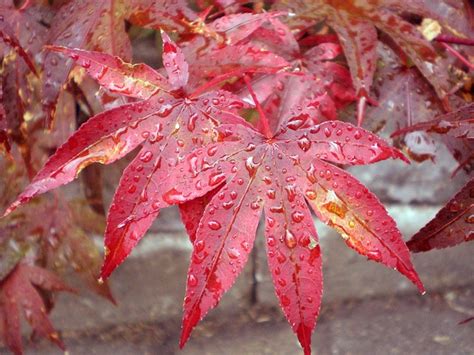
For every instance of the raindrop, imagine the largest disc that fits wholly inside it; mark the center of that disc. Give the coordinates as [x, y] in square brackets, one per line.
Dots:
[228, 205]
[212, 151]
[281, 258]
[214, 225]
[285, 301]
[305, 240]
[192, 122]
[304, 143]
[216, 178]
[233, 253]
[277, 209]
[297, 216]
[270, 221]
[251, 166]
[290, 239]
[290, 192]
[271, 194]
[454, 207]
[173, 196]
[374, 254]
[255, 205]
[271, 241]
[192, 280]
[146, 156]
[199, 246]
[311, 174]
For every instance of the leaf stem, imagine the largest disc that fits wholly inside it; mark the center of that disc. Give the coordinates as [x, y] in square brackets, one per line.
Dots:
[408, 104]
[25, 5]
[237, 72]
[458, 55]
[361, 105]
[455, 40]
[263, 118]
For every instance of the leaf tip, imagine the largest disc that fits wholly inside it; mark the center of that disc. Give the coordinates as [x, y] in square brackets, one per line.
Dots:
[189, 322]
[54, 48]
[185, 334]
[399, 155]
[164, 36]
[416, 280]
[304, 336]
[107, 293]
[54, 337]
[10, 209]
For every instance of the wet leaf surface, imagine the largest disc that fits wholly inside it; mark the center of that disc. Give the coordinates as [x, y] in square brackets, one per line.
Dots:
[452, 225]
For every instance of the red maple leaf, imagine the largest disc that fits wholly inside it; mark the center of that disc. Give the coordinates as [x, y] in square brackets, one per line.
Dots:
[317, 82]
[224, 46]
[459, 124]
[452, 225]
[18, 291]
[7, 35]
[101, 26]
[168, 122]
[356, 22]
[21, 30]
[4, 142]
[194, 146]
[280, 175]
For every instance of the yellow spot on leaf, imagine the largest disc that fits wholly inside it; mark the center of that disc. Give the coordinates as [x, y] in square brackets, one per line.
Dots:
[430, 29]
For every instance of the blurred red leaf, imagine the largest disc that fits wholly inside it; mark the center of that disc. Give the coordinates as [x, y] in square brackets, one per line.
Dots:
[459, 123]
[452, 225]
[100, 26]
[18, 292]
[25, 34]
[356, 22]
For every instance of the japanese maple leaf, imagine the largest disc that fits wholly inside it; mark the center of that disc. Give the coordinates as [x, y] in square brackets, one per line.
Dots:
[456, 16]
[224, 46]
[168, 122]
[7, 35]
[320, 83]
[3, 122]
[280, 174]
[356, 22]
[22, 31]
[454, 129]
[406, 100]
[70, 245]
[100, 26]
[19, 291]
[57, 231]
[452, 225]
[459, 124]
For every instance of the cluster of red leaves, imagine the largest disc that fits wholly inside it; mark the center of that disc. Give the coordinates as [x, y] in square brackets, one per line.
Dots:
[48, 234]
[289, 71]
